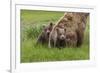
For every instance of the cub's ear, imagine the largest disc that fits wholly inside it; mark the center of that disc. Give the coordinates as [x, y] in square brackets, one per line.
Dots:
[43, 26]
[51, 24]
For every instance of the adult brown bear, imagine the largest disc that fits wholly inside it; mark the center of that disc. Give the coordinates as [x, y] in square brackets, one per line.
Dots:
[73, 21]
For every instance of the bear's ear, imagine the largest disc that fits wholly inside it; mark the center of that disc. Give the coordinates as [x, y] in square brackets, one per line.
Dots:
[43, 26]
[51, 24]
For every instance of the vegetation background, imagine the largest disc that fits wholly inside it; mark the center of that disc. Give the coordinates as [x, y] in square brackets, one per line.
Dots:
[31, 26]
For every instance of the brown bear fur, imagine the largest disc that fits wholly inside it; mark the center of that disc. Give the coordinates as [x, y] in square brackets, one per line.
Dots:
[71, 38]
[80, 19]
[74, 21]
[78, 23]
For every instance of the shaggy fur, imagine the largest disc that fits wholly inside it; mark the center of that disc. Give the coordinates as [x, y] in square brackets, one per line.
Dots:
[73, 22]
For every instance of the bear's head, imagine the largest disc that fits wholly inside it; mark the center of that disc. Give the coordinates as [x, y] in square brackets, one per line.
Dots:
[47, 29]
[61, 33]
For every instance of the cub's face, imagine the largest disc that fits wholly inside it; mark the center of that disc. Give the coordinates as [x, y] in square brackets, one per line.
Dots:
[61, 33]
[48, 29]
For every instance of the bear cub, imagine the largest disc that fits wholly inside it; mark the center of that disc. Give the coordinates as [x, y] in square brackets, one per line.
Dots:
[44, 36]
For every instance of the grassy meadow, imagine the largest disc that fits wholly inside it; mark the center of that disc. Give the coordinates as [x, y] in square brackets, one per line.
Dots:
[31, 26]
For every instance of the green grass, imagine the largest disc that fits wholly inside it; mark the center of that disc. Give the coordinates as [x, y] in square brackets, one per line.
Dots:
[31, 26]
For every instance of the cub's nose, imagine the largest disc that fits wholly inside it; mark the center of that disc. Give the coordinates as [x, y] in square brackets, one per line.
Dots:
[48, 31]
[62, 37]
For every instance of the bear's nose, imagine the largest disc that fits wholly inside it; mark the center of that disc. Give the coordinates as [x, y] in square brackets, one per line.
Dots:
[62, 37]
[48, 31]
